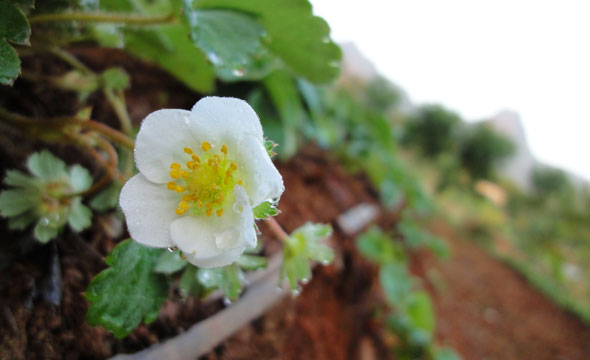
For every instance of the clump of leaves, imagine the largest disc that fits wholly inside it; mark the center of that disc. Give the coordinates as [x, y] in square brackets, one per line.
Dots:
[50, 196]
[412, 315]
[301, 247]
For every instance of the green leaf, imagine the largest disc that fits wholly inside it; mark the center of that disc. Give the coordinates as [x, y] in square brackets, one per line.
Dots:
[232, 41]
[46, 166]
[265, 210]
[128, 291]
[22, 221]
[45, 230]
[250, 262]
[171, 48]
[189, 284]
[417, 237]
[80, 179]
[80, 216]
[115, 79]
[19, 179]
[419, 311]
[270, 146]
[9, 63]
[395, 282]
[229, 279]
[378, 247]
[170, 262]
[283, 92]
[300, 39]
[18, 201]
[445, 353]
[304, 244]
[108, 198]
[14, 25]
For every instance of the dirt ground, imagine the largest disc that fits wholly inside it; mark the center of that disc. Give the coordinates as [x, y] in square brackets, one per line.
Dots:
[486, 310]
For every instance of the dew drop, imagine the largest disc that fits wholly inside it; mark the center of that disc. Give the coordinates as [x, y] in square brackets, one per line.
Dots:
[239, 71]
[44, 221]
[325, 262]
[171, 249]
[296, 292]
[226, 301]
[304, 281]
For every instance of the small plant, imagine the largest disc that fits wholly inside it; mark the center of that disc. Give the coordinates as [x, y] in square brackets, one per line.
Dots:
[50, 197]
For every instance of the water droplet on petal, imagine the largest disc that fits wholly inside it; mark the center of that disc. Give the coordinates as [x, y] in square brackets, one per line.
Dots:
[226, 301]
[44, 221]
[304, 281]
[296, 292]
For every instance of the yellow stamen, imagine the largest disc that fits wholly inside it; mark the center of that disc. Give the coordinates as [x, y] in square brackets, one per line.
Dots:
[205, 146]
[233, 166]
[175, 166]
[209, 212]
[224, 149]
[175, 174]
[171, 185]
[179, 189]
[239, 182]
[188, 150]
[180, 211]
[188, 198]
[184, 174]
[196, 158]
[219, 212]
[183, 205]
[200, 204]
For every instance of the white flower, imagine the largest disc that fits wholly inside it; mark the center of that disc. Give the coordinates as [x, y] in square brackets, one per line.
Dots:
[201, 173]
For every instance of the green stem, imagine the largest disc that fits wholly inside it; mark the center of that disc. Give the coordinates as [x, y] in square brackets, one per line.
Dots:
[109, 132]
[71, 60]
[102, 17]
[118, 103]
[53, 122]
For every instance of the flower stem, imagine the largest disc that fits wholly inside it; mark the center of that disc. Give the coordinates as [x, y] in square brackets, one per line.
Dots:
[102, 17]
[277, 229]
[118, 103]
[109, 132]
[110, 166]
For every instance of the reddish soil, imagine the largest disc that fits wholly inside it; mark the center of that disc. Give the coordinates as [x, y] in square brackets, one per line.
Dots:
[486, 310]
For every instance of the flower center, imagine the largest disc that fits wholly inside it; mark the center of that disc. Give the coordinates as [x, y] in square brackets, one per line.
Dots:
[207, 182]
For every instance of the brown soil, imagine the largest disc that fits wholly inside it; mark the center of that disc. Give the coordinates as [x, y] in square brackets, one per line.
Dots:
[486, 310]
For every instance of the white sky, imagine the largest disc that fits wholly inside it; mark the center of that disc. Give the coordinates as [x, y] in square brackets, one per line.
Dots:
[478, 57]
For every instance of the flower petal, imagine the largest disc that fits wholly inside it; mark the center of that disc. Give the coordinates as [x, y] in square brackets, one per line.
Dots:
[223, 259]
[225, 120]
[263, 180]
[161, 141]
[149, 209]
[216, 241]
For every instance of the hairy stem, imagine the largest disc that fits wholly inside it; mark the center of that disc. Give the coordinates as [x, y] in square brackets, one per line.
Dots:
[21, 122]
[117, 101]
[277, 229]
